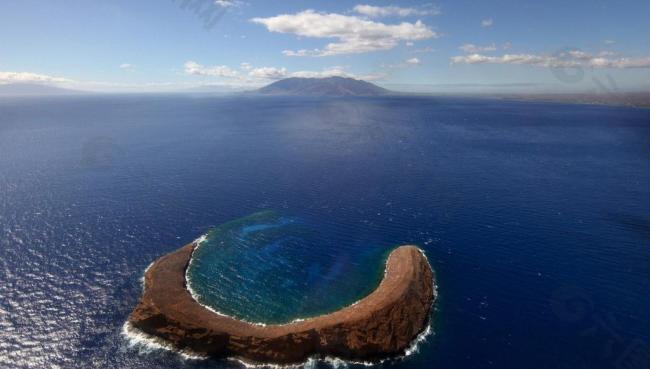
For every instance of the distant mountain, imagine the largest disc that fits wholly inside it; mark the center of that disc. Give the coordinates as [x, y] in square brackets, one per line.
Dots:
[331, 86]
[34, 89]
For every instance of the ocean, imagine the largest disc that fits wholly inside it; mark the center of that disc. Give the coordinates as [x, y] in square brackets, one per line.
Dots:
[534, 216]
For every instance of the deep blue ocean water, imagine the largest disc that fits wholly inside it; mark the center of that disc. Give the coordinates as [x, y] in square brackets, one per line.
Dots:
[535, 217]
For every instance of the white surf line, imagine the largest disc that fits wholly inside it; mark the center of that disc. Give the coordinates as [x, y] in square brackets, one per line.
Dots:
[146, 343]
[336, 362]
[145, 272]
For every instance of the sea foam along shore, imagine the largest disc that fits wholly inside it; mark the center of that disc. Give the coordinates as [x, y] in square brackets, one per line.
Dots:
[145, 344]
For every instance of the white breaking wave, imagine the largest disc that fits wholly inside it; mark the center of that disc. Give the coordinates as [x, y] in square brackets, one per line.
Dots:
[201, 239]
[145, 272]
[146, 343]
[336, 362]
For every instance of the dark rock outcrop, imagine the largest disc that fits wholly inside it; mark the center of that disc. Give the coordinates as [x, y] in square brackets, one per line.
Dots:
[382, 324]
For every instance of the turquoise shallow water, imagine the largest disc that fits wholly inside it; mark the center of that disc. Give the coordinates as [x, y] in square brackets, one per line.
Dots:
[272, 268]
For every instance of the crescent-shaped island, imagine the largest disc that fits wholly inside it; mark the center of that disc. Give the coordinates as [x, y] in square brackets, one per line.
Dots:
[381, 325]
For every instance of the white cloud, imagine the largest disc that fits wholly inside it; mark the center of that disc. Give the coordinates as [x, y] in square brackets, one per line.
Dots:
[302, 52]
[528, 59]
[489, 22]
[228, 3]
[337, 71]
[268, 73]
[250, 75]
[387, 11]
[573, 58]
[413, 61]
[355, 35]
[26, 77]
[609, 42]
[126, 66]
[576, 54]
[196, 69]
[620, 63]
[473, 49]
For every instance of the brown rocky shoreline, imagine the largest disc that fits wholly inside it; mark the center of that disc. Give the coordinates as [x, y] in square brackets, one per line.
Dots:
[381, 325]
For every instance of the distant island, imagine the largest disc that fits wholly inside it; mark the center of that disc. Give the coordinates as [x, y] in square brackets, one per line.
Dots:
[330, 86]
[383, 324]
[34, 89]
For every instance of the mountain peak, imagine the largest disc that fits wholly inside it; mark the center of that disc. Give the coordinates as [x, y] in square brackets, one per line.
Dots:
[329, 86]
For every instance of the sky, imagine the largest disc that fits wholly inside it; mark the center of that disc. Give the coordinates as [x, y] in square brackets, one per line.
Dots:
[442, 46]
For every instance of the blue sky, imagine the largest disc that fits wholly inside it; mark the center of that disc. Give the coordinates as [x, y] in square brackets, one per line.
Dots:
[459, 45]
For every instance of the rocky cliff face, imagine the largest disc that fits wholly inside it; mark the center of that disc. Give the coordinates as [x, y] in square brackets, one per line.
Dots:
[382, 324]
